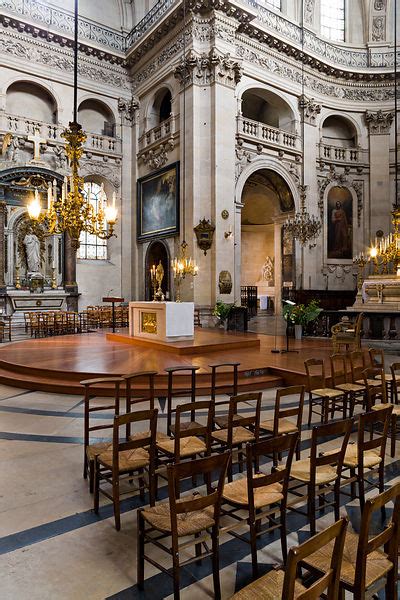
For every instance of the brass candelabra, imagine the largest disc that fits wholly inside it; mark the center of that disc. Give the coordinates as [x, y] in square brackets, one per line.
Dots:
[182, 266]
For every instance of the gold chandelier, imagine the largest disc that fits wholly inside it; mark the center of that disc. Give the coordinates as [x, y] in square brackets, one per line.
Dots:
[72, 212]
[183, 266]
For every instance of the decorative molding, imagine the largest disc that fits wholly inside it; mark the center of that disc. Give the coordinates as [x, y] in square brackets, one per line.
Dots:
[40, 52]
[157, 157]
[309, 108]
[341, 180]
[378, 29]
[380, 5]
[340, 271]
[243, 157]
[207, 68]
[309, 11]
[111, 172]
[379, 123]
[127, 108]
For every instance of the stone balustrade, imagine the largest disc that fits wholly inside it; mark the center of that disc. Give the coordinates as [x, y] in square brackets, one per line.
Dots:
[155, 135]
[339, 154]
[22, 127]
[267, 135]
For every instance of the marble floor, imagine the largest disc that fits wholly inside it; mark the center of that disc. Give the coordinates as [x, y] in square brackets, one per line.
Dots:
[52, 545]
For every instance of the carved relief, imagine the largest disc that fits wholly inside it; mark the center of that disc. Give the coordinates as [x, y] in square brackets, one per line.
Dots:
[378, 29]
[111, 172]
[340, 271]
[243, 157]
[309, 11]
[309, 108]
[208, 68]
[157, 156]
[379, 5]
[379, 122]
[127, 108]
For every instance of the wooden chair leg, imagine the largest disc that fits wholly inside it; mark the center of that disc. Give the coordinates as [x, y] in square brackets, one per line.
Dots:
[140, 550]
[393, 436]
[311, 509]
[96, 487]
[85, 465]
[117, 512]
[91, 475]
[283, 534]
[215, 563]
[175, 573]
[353, 490]
[310, 407]
[197, 549]
[336, 492]
[253, 546]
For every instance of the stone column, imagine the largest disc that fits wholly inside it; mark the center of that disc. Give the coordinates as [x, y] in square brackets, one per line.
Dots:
[70, 284]
[379, 124]
[3, 208]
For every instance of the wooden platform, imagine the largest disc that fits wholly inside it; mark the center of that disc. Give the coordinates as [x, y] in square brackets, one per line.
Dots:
[204, 341]
[58, 364]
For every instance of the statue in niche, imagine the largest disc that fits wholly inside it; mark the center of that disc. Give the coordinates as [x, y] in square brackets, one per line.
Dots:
[13, 150]
[32, 252]
[60, 157]
[267, 270]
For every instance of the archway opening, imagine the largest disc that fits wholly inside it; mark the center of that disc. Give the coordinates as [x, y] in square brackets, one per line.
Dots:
[156, 252]
[31, 101]
[267, 256]
[96, 117]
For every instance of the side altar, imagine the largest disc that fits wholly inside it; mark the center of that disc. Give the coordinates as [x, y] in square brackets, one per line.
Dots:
[162, 321]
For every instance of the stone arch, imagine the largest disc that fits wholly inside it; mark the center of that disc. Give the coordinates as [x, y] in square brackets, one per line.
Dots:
[153, 106]
[46, 99]
[157, 250]
[346, 119]
[96, 116]
[261, 103]
[108, 105]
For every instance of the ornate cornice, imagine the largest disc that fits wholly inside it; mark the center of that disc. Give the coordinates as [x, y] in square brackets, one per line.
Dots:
[207, 68]
[379, 123]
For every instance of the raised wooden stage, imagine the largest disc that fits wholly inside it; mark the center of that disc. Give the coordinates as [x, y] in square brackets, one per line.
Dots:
[58, 364]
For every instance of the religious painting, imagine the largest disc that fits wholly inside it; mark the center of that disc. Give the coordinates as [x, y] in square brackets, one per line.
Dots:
[340, 223]
[158, 204]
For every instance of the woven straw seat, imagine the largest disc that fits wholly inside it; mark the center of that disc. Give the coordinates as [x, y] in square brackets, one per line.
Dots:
[268, 587]
[376, 567]
[301, 470]
[371, 457]
[395, 411]
[327, 393]
[189, 446]
[128, 459]
[371, 382]
[186, 426]
[388, 376]
[239, 435]
[95, 449]
[159, 517]
[145, 434]
[236, 492]
[222, 421]
[350, 387]
[285, 426]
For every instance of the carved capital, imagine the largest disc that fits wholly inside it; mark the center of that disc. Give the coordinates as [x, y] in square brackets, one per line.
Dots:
[309, 108]
[127, 108]
[379, 122]
[208, 68]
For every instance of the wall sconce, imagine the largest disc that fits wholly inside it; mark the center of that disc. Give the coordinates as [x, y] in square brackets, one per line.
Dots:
[228, 234]
[204, 233]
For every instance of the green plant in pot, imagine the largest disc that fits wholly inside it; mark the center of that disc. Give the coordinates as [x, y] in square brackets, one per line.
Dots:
[222, 310]
[301, 314]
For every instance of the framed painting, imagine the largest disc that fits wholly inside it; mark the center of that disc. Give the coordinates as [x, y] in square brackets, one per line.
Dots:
[158, 204]
[340, 224]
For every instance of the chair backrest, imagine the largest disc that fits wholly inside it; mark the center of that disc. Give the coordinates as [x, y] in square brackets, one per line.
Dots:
[338, 369]
[378, 390]
[389, 537]
[357, 365]
[329, 582]
[211, 466]
[92, 391]
[366, 423]
[293, 411]
[358, 325]
[320, 433]
[144, 379]
[249, 419]
[195, 429]
[315, 371]
[229, 367]
[147, 440]
[395, 371]
[376, 357]
[270, 447]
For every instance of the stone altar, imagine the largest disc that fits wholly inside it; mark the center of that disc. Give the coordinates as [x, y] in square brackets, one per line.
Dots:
[162, 321]
[379, 293]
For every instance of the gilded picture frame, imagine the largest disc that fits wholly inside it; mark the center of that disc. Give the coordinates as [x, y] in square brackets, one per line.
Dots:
[158, 204]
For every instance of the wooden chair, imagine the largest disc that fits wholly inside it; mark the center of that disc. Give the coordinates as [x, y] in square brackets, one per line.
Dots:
[194, 515]
[367, 456]
[321, 473]
[174, 392]
[280, 424]
[364, 563]
[260, 495]
[358, 364]
[377, 399]
[281, 584]
[230, 387]
[346, 334]
[395, 373]
[100, 406]
[356, 393]
[377, 359]
[124, 458]
[329, 399]
[239, 429]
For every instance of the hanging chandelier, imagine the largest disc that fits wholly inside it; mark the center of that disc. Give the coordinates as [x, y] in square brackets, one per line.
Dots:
[302, 226]
[72, 212]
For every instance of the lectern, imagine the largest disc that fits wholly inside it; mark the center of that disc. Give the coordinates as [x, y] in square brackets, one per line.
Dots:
[113, 300]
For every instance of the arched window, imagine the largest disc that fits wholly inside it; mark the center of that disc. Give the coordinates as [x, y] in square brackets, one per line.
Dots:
[332, 19]
[91, 246]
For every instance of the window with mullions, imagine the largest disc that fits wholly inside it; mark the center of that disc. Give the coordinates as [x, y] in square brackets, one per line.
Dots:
[271, 3]
[91, 246]
[332, 19]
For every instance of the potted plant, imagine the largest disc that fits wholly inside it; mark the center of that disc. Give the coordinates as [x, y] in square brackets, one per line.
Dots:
[222, 310]
[301, 314]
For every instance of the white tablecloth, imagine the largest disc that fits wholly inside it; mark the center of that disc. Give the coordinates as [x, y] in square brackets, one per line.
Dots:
[264, 302]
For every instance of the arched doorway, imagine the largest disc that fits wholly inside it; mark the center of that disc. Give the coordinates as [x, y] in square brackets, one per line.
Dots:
[267, 256]
[157, 251]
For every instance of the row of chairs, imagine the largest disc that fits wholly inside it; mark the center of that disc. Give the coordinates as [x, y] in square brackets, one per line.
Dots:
[100, 317]
[49, 323]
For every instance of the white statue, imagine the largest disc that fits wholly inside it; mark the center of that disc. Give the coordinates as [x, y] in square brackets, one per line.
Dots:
[32, 249]
[267, 270]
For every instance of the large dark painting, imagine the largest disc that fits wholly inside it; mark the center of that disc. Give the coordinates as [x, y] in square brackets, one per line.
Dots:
[158, 204]
[340, 223]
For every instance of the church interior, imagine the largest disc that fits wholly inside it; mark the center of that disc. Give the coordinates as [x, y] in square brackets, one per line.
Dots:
[199, 299]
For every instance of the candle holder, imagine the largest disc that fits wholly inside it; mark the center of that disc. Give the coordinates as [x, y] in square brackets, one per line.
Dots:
[360, 261]
[53, 279]
[153, 276]
[182, 266]
[17, 278]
